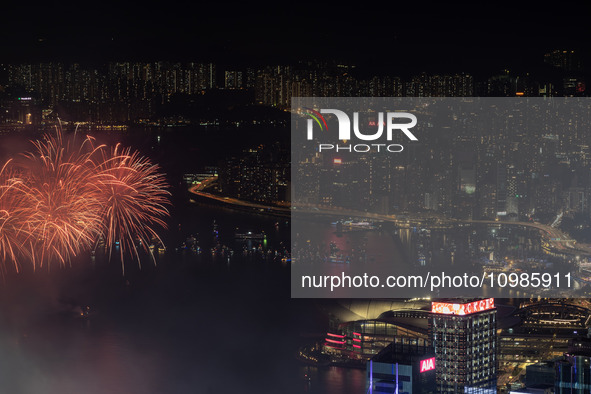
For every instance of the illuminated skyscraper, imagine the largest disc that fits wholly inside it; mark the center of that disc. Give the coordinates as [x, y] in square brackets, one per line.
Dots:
[400, 368]
[573, 374]
[567, 60]
[233, 80]
[463, 334]
[573, 371]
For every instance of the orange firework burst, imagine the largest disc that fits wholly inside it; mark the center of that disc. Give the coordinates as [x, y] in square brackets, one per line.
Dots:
[64, 198]
[71, 193]
[13, 215]
[134, 200]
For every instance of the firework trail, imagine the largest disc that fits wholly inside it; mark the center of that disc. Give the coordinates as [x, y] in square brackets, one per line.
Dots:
[71, 193]
[13, 214]
[134, 200]
[64, 199]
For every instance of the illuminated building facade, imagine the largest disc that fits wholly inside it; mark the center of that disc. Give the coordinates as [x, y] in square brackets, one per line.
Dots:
[543, 333]
[363, 339]
[573, 374]
[573, 371]
[463, 335]
[402, 368]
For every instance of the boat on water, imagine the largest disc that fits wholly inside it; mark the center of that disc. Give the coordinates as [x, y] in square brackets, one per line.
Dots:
[334, 258]
[250, 235]
[354, 225]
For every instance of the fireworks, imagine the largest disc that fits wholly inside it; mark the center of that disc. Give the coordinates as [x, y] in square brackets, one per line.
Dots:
[13, 214]
[132, 198]
[66, 196]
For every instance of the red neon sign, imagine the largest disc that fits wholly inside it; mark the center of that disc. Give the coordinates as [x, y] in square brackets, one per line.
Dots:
[337, 161]
[447, 308]
[428, 364]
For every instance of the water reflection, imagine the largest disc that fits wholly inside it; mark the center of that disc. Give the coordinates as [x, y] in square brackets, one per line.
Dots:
[332, 380]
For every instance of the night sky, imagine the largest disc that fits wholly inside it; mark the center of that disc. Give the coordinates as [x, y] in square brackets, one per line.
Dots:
[399, 36]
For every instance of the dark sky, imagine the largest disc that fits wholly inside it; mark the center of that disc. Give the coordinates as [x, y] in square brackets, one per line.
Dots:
[402, 35]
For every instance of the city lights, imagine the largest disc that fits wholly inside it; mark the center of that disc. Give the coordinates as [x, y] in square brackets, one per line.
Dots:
[446, 308]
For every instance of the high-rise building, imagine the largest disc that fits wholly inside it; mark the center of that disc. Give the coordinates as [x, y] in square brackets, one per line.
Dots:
[573, 371]
[540, 373]
[401, 368]
[573, 374]
[233, 80]
[567, 60]
[463, 334]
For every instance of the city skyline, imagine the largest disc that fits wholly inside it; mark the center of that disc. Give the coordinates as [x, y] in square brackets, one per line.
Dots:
[198, 92]
[205, 91]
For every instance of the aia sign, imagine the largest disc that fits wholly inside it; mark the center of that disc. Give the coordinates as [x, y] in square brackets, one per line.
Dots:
[428, 364]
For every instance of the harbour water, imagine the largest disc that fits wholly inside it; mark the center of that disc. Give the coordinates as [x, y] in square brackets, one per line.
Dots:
[194, 323]
[212, 319]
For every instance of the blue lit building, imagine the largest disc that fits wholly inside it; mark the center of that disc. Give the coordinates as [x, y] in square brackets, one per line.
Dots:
[573, 374]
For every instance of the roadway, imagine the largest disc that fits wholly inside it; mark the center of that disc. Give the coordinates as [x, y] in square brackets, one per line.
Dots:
[199, 190]
[553, 236]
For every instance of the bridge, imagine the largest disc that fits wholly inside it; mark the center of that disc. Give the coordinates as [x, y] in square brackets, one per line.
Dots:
[553, 236]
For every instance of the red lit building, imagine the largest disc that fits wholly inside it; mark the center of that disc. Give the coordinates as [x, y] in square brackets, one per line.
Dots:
[463, 335]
